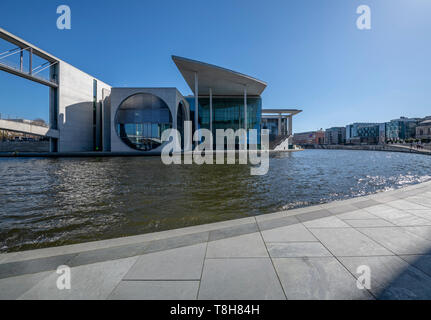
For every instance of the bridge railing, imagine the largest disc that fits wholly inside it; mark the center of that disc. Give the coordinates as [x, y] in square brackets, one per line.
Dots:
[13, 60]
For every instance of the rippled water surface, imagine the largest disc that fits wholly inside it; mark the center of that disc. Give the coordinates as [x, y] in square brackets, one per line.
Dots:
[47, 202]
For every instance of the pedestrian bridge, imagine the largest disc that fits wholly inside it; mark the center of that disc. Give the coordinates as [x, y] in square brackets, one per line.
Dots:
[28, 127]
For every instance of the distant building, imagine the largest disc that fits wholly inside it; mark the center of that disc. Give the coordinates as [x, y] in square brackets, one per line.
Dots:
[382, 133]
[401, 129]
[363, 133]
[309, 138]
[335, 135]
[423, 130]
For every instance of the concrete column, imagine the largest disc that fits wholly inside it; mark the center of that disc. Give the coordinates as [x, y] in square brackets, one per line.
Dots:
[245, 108]
[290, 130]
[279, 124]
[196, 103]
[211, 110]
[290, 133]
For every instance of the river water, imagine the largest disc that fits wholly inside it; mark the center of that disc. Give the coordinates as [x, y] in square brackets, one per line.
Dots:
[48, 202]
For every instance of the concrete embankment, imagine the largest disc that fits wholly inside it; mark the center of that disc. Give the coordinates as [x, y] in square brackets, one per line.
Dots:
[46, 154]
[24, 146]
[387, 148]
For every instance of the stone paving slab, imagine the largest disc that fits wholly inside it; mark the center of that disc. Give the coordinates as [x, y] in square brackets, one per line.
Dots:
[317, 278]
[95, 281]
[398, 240]
[240, 279]
[392, 277]
[246, 246]
[297, 250]
[349, 242]
[406, 205]
[421, 262]
[306, 253]
[14, 287]
[176, 264]
[292, 233]
[155, 290]
[426, 214]
[328, 222]
[423, 232]
[362, 223]
[356, 214]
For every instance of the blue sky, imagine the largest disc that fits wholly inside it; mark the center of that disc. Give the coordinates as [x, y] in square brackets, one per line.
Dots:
[308, 51]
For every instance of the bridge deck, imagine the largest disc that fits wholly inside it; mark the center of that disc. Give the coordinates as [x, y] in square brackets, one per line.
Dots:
[28, 128]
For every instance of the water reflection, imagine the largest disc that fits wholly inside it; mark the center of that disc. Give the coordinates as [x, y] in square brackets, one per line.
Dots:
[45, 202]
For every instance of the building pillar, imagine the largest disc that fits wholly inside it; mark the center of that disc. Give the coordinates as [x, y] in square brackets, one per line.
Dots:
[245, 108]
[211, 110]
[196, 104]
[245, 117]
[53, 107]
[290, 130]
[279, 124]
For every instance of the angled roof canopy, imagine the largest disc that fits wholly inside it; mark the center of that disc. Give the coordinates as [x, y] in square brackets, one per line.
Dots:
[223, 82]
[268, 112]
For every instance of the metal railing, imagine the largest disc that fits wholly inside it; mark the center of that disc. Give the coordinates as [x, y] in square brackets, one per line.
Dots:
[34, 72]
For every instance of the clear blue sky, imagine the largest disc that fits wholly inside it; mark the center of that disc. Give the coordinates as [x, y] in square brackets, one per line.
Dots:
[308, 51]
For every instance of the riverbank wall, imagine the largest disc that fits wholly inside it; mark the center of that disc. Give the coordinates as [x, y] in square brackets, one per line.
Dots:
[24, 146]
[387, 148]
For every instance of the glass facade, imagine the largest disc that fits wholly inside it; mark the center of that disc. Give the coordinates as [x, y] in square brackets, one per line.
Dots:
[363, 133]
[401, 129]
[140, 121]
[228, 113]
[272, 125]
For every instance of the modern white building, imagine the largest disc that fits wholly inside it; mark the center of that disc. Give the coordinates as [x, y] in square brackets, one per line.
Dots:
[89, 115]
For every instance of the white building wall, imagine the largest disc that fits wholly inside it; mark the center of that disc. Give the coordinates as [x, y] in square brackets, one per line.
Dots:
[75, 108]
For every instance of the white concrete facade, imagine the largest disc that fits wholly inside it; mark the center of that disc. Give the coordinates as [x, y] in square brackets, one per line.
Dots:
[75, 109]
[171, 96]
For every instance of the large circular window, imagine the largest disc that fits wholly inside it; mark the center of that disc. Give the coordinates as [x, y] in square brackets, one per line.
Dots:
[141, 119]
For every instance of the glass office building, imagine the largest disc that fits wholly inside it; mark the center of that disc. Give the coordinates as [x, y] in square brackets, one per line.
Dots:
[271, 124]
[228, 113]
[401, 129]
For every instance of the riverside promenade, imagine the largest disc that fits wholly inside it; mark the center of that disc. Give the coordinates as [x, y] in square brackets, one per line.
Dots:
[307, 253]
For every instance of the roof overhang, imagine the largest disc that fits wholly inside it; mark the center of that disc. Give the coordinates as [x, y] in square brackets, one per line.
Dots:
[222, 82]
[268, 113]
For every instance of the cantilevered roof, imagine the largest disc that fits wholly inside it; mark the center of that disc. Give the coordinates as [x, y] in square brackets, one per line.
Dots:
[281, 111]
[223, 82]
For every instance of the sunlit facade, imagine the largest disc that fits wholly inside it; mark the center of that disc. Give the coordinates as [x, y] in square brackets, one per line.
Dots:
[228, 113]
